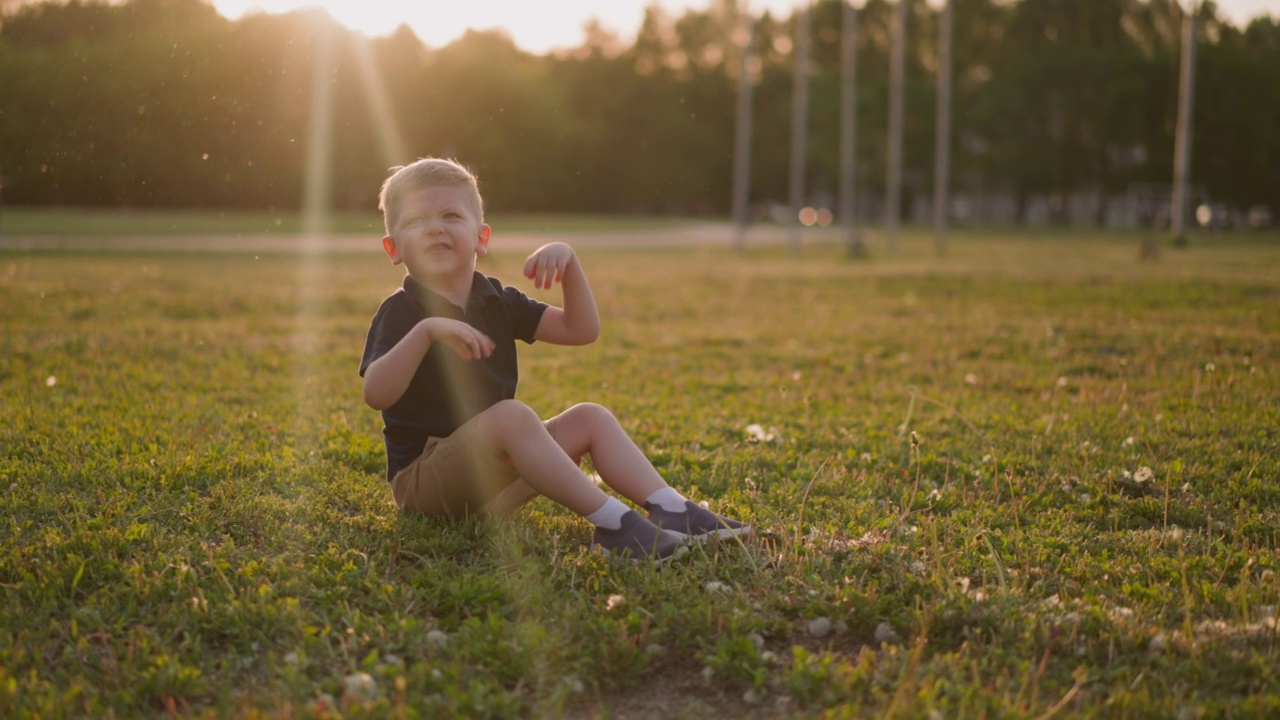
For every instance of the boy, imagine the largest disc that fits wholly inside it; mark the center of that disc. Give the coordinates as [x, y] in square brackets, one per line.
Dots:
[440, 363]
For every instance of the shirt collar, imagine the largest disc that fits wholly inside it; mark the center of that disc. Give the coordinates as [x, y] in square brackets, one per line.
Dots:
[482, 293]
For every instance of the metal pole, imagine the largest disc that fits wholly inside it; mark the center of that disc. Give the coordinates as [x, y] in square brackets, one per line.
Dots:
[742, 137]
[942, 136]
[1182, 144]
[799, 122]
[897, 71]
[848, 130]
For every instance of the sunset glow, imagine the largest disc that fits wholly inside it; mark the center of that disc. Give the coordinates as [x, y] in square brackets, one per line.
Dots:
[540, 27]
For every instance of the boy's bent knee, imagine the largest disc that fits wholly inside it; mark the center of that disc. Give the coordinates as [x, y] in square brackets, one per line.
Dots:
[508, 416]
[590, 413]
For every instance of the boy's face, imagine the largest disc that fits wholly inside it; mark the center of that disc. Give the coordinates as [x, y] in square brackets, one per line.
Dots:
[437, 233]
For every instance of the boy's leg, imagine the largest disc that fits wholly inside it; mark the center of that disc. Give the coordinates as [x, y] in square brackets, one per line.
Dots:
[519, 438]
[590, 429]
[512, 498]
[517, 435]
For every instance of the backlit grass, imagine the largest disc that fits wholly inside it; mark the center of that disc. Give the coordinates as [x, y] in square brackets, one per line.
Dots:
[107, 222]
[1033, 477]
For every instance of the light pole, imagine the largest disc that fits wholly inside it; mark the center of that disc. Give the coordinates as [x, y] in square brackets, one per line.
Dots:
[897, 72]
[742, 136]
[1182, 144]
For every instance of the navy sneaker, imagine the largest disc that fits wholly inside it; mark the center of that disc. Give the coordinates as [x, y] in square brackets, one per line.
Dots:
[638, 539]
[696, 522]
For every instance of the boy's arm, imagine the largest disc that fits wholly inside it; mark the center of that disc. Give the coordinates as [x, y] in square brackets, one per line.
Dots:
[386, 378]
[578, 322]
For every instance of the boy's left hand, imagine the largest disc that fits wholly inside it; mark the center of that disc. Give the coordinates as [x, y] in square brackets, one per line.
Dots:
[548, 264]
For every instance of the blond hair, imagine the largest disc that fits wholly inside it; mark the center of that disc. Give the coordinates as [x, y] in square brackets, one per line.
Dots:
[424, 172]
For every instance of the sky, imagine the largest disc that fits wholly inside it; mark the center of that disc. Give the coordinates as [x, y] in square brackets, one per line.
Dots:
[539, 26]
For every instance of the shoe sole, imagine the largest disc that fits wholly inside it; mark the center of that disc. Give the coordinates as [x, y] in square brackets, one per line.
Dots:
[743, 532]
[679, 552]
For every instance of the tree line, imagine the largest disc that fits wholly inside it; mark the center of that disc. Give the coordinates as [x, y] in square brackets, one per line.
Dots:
[165, 103]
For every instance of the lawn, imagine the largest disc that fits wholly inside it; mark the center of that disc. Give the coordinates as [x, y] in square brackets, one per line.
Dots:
[1033, 478]
[99, 222]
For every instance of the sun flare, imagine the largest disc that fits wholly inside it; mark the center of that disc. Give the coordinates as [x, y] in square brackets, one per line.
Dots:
[541, 27]
[537, 27]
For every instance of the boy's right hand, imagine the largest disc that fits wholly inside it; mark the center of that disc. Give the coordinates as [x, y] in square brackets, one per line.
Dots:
[468, 342]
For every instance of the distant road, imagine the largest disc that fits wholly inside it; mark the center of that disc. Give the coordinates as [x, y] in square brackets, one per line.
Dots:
[710, 234]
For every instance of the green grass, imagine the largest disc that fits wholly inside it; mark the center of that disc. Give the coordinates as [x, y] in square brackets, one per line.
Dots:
[193, 516]
[97, 222]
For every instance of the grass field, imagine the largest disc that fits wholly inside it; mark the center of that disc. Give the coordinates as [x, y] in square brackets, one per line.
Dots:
[1033, 479]
[97, 222]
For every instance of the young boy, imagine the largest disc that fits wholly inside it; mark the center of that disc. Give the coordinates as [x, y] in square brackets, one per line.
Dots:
[440, 363]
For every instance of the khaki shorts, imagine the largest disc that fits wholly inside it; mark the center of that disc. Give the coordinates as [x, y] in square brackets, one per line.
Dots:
[456, 476]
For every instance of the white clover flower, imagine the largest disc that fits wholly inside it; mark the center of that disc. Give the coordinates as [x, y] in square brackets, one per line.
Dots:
[360, 686]
[1143, 474]
[1063, 381]
[615, 601]
[970, 379]
[758, 434]
[1129, 440]
[50, 381]
[1157, 644]
[886, 634]
[716, 586]
[1210, 367]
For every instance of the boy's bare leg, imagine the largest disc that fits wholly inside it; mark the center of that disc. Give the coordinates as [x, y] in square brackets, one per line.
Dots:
[590, 429]
[512, 498]
[519, 437]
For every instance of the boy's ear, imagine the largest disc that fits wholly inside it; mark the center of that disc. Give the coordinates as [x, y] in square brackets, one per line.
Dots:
[389, 245]
[482, 246]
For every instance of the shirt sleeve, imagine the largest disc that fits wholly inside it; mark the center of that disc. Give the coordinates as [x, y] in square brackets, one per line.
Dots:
[391, 323]
[523, 312]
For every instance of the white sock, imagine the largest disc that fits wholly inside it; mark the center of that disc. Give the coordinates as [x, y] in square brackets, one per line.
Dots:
[609, 516]
[668, 499]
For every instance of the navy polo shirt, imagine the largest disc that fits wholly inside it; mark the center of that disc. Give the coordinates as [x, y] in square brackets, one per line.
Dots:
[447, 391]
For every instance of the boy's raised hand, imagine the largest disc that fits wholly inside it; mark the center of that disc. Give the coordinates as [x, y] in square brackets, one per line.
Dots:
[468, 342]
[547, 265]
